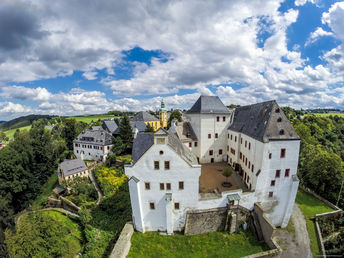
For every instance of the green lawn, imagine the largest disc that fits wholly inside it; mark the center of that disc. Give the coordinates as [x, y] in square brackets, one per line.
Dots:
[10, 133]
[217, 244]
[310, 206]
[47, 188]
[88, 119]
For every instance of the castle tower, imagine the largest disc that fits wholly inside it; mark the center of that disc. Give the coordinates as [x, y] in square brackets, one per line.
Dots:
[163, 115]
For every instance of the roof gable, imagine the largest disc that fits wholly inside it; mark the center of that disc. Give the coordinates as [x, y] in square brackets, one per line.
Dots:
[263, 122]
[208, 105]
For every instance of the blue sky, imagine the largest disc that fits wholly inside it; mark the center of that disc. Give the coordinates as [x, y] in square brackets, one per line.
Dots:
[81, 58]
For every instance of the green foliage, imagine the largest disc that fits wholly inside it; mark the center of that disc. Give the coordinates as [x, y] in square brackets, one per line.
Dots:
[82, 191]
[46, 191]
[44, 234]
[118, 146]
[110, 160]
[110, 179]
[149, 129]
[217, 244]
[85, 216]
[126, 159]
[227, 172]
[3, 137]
[125, 132]
[174, 115]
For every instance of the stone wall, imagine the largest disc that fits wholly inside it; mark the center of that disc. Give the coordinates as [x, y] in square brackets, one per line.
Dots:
[267, 230]
[205, 221]
[123, 243]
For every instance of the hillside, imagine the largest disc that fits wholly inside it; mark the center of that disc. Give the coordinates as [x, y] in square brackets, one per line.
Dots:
[21, 122]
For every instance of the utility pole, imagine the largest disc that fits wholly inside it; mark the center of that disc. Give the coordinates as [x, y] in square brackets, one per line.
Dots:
[340, 192]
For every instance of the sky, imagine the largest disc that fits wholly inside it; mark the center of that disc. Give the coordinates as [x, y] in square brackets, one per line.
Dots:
[73, 57]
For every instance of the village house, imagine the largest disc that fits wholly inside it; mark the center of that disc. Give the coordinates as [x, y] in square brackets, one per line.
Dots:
[178, 171]
[93, 144]
[69, 169]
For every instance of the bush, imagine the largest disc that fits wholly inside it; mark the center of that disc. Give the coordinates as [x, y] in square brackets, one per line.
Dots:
[110, 179]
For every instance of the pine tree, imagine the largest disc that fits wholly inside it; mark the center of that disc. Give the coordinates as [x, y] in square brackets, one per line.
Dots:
[125, 132]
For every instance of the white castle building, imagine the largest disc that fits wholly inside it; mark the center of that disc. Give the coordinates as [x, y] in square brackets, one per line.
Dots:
[170, 174]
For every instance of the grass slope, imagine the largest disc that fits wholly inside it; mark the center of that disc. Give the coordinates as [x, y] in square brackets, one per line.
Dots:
[46, 191]
[10, 133]
[310, 206]
[21, 122]
[88, 119]
[217, 244]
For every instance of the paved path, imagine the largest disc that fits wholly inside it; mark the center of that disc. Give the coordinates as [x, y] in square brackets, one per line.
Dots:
[94, 182]
[295, 244]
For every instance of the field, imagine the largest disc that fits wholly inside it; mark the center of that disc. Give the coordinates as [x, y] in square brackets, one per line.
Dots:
[11, 132]
[217, 244]
[88, 119]
[310, 206]
[326, 114]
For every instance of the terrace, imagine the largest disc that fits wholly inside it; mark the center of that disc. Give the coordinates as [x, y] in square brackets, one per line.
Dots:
[211, 179]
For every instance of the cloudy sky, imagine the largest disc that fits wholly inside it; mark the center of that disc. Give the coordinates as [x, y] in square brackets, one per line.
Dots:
[71, 57]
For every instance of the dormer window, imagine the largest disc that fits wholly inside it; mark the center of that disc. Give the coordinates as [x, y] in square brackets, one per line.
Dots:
[277, 110]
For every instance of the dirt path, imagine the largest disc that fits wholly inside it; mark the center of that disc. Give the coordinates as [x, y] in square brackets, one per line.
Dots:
[295, 242]
[94, 182]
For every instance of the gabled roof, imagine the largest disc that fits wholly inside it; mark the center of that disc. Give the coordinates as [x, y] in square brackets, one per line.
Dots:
[144, 141]
[70, 167]
[97, 135]
[263, 121]
[185, 132]
[110, 125]
[140, 125]
[208, 105]
[144, 116]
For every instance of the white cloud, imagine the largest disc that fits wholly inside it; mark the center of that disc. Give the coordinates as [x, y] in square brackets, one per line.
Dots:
[317, 34]
[335, 19]
[90, 75]
[23, 93]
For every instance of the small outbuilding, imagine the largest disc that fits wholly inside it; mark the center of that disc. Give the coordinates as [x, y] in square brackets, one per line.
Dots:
[69, 169]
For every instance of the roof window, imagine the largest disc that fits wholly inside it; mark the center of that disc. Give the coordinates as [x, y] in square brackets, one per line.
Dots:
[279, 119]
[277, 110]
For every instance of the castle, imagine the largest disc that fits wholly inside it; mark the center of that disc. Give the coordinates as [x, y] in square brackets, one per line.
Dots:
[172, 172]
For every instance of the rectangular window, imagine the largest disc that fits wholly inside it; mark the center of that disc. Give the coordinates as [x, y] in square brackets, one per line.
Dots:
[227, 148]
[240, 140]
[220, 151]
[147, 186]
[152, 205]
[272, 183]
[235, 139]
[162, 186]
[210, 152]
[240, 155]
[232, 151]
[231, 137]
[245, 144]
[270, 155]
[249, 164]
[156, 165]
[195, 144]
[224, 119]
[282, 153]
[176, 205]
[246, 162]
[168, 186]
[217, 119]
[228, 136]
[181, 185]
[271, 194]
[160, 140]
[216, 135]
[167, 165]
[278, 173]
[209, 136]
[190, 144]
[249, 145]
[252, 168]
[287, 171]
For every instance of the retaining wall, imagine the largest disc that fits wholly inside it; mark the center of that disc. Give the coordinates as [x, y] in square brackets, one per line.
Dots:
[123, 243]
[205, 221]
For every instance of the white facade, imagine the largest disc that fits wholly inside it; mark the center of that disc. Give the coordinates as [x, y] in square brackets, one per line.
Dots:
[88, 151]
[268, 168]
[165, 215]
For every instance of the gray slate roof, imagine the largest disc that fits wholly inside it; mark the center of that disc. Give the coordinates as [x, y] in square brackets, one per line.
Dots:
[70, 167]
[94, 136]
[208, 105]
[110, 125]
[140, 125]
[144, 141]
[144, 116]
[264, 122]
[185, 132]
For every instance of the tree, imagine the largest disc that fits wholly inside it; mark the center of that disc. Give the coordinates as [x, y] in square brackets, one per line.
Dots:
[227, 172]
[85, 216]
[110, 160]
[125, 132]
[149, 129]
[174, 115]
[118, 146]
[3, 136]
